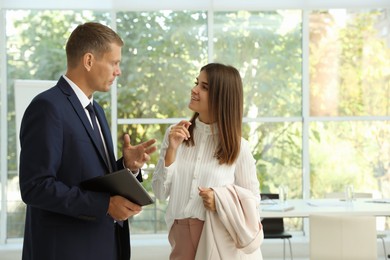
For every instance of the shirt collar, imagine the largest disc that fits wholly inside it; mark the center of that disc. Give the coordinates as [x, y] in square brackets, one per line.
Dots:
[84, 100]
[205, 128]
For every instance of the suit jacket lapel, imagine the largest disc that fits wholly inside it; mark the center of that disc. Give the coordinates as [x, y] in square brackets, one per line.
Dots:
[75, 102]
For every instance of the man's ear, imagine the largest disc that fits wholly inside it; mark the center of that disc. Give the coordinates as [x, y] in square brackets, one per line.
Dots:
[88, 61]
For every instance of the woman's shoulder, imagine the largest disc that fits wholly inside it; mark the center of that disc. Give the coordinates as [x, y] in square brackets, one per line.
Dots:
[244, 142]
[245, 147]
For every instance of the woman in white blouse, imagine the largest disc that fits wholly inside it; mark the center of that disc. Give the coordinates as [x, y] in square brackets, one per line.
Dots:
[207, 151]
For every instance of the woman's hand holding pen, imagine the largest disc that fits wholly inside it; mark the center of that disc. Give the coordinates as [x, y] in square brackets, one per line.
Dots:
[177, 135]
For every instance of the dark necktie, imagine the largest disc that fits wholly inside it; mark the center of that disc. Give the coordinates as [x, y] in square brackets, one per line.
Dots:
[96, 130]
[98, 136]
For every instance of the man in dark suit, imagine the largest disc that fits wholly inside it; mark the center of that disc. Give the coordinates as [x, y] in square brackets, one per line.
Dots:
[59, 150]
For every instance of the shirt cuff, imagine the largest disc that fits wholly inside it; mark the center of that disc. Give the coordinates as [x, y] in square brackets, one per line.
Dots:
[135, 173]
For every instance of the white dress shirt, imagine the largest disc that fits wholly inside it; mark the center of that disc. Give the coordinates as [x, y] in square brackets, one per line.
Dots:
[196, 166]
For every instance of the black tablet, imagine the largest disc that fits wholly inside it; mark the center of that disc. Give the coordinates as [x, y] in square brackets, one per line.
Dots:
[123, 183]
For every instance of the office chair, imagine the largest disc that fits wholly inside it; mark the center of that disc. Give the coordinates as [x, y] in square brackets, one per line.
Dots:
[359, 195]
[273, 228]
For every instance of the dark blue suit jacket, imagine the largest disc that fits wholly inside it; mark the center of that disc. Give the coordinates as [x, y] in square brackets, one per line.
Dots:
[58, 152]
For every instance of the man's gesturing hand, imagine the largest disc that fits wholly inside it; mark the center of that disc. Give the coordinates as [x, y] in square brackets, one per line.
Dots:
[135, 156]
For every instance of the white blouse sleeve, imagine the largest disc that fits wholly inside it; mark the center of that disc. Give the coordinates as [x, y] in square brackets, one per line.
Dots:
[162, 176]
[245, 173]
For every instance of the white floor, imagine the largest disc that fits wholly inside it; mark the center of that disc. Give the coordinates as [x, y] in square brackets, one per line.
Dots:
[156, 247]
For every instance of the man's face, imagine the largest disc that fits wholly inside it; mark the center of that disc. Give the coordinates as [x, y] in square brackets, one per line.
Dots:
[105, 69]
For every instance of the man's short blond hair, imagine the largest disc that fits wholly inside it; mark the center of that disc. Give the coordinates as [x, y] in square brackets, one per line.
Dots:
[90, 37]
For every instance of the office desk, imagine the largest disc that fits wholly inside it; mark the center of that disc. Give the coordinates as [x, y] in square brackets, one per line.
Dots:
[304, 208]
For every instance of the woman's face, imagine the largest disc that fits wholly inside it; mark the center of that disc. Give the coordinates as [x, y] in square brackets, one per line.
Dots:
[200, 98]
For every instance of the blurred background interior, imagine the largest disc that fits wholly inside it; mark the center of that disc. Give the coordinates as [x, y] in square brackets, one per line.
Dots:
[316, 80]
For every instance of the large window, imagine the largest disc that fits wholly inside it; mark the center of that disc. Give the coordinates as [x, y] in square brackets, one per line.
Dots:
[350, 101]
[316, 86]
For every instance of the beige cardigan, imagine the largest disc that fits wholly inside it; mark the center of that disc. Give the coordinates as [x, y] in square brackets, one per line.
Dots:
[234, 230]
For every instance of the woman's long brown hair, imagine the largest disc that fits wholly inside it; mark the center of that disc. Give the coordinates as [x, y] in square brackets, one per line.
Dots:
[225, 109]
